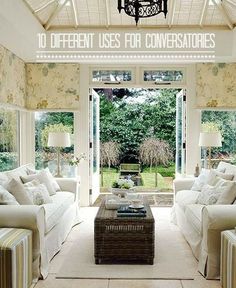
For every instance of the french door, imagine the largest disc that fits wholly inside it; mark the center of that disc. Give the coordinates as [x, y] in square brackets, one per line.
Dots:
[180, 157]
[94, 147]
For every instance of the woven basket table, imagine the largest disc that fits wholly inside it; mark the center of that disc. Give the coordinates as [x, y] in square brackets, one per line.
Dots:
[228, 259]
[15, 258]
[123, 239]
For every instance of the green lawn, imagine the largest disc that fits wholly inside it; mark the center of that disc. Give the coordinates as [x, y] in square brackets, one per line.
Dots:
[148, 180]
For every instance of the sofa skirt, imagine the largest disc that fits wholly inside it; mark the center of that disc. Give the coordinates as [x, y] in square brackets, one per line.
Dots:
[15, 258]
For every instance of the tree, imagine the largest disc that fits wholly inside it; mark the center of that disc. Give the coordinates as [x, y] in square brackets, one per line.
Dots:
[139, 114]
[109, 153]
[155, 152]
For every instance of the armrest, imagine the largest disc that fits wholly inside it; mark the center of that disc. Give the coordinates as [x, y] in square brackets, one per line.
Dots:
[22, 216]
[70, 185]
[25, 217]
[183, 184]
[215, 219]
[219, 217]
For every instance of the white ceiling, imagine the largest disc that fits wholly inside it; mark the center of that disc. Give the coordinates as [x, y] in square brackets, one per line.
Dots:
[64, 14]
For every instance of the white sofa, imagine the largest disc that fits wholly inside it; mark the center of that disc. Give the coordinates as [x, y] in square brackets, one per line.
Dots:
[50, 223]
[202, 225]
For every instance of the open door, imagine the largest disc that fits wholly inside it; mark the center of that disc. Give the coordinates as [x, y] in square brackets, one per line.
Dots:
[94, 146]
[181, 132]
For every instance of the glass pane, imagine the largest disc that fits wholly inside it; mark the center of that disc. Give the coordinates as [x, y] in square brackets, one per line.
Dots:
[45, 156]
[111, 75]
[180, 134]
[9, 139]
[225, 121]
[163, 76]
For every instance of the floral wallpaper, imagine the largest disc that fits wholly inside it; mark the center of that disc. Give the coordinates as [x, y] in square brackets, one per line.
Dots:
[12, 78]
[52, 86]
[216, 85]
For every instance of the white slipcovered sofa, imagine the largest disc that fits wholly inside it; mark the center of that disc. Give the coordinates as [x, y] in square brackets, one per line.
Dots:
[50, 223]
[201, 225]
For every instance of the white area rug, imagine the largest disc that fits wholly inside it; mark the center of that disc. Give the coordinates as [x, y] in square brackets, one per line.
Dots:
[173, 256]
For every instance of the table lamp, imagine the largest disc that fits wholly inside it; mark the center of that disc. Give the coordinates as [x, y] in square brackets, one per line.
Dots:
[208, 140]
[59, 140]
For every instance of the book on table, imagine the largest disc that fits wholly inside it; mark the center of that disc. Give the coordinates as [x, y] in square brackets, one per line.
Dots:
[131, 212]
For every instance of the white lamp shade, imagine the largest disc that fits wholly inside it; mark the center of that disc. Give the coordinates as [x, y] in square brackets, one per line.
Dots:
[59, 139]
[210, 139]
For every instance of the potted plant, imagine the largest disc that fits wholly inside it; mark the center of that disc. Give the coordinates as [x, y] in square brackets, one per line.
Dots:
[122, 187]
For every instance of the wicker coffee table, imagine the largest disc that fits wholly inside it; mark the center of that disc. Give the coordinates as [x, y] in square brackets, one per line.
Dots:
[123, 239]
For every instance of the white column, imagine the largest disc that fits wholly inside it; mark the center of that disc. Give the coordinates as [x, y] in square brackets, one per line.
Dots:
[83, 134]
[27, 137]
[193, 123]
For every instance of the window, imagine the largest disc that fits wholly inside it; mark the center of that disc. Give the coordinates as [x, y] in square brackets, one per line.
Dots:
[226, 122]
[162, 76]
[9, 139]
[111, 76]
[46, 122]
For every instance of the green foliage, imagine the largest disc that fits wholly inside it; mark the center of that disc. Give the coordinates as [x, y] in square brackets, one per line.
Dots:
[162, 170]
[8, 161]
[129, 120]
[53, 128]
[210, 127]
[226, 121]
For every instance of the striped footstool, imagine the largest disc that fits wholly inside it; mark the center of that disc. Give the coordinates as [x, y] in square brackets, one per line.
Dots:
[228, 259]
[15, 258]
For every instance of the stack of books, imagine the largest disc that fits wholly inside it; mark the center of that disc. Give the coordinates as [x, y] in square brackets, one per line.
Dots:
[131, 212]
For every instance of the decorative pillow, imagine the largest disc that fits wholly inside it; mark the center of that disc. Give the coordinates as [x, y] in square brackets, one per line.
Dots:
[224, 192]
[228, 194]
[53, 181]
[210, 177]
[44, 178]
[39, 194]
[209, 195]
[7, 198]
[17, 189]
[215, 175]
[201, 180]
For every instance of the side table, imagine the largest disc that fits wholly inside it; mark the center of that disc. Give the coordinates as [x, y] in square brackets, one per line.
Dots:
[228, 259]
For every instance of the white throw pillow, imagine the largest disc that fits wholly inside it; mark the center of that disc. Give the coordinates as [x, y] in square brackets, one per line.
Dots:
[44, 178]
[53, 180]
[215, 175]
[201, 180]
[39, 194]
[7, 198]
[224, 192]
[17, 189]
[209, 195]
[228, 192]
[210, 177]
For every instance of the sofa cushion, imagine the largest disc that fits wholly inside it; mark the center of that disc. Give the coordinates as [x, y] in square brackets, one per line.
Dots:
[54, 211]
[18, 172]
[17, 189]
[44, 178]
[193, 213]
[186, 197]
[6, 198]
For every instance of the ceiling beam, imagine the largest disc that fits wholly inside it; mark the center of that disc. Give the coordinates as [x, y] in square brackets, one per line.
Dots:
[231, 2]
[223, 12]
[171, 13]
[75, 13]
[44, 6]
[54, 13]
[203, 13]
[108, 17]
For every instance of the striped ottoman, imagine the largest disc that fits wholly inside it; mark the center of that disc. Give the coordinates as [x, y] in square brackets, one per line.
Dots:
[15, 258]
[228, 259]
